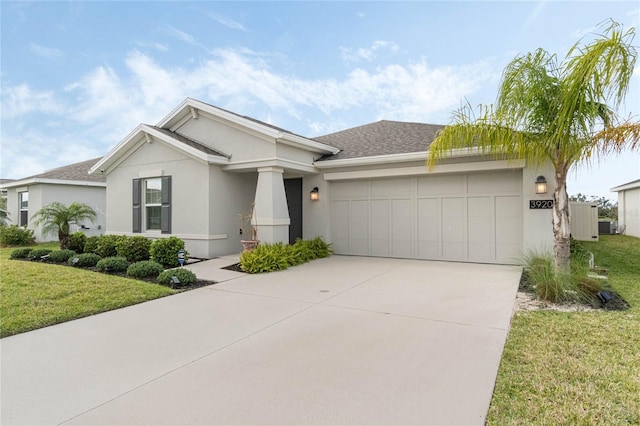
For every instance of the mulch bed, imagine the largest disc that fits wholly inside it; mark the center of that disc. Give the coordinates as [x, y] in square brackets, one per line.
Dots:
[235, 267]
[607, 300]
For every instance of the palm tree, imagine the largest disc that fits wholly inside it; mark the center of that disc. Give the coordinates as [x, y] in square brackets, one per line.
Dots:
[56, 218]
[554, 112]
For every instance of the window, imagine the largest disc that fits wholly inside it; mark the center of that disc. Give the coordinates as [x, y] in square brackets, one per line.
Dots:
[152, 204]
[24, 208]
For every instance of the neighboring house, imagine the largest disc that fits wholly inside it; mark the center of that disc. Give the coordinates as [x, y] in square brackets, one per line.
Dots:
[629, 208]
[193, 173]
[3, 190]
[67, 184]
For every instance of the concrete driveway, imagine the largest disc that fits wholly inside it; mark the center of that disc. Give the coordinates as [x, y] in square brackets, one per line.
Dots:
[342, 340]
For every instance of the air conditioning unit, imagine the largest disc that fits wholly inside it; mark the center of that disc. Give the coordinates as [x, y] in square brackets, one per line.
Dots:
[607, 227]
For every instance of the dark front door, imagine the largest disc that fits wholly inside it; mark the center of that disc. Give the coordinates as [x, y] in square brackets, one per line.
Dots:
[293, 190]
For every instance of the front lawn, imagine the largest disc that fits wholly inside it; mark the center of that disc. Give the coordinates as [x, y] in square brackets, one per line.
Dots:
[35, 295]
[576, 368]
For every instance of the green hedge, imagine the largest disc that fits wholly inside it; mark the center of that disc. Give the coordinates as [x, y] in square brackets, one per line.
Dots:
[61, 256]
[15, 235]
[20, 253]
[36, 254]
[112, 265]
[165, 251]
[144, 269]
[85, 260]
[77, 241]
[185, 276]
[134, 249]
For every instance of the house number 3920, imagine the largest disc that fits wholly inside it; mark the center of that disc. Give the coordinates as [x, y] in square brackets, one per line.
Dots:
[540, 204]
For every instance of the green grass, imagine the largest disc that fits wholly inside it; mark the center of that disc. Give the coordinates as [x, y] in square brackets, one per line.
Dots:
[35, 295]
[576, 368]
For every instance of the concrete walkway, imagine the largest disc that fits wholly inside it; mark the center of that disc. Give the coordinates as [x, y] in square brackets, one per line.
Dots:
[342, 340]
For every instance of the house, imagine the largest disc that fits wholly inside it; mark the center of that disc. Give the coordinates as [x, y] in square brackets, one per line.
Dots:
[67, 184]
[366, 190]
[629, 208]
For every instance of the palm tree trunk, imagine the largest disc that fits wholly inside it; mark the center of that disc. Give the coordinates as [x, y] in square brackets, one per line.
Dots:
[561, 223]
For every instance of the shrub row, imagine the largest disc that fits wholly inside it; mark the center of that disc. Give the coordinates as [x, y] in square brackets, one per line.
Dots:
[276, 257]
[134, 249]
[166, 250]
[14, 235]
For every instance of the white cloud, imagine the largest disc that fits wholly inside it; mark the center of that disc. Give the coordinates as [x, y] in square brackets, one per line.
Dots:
[21, 100]
[367, 53]
[46, 52]
[227, 22]
[103, 106]
[534, 14]
[181, 35]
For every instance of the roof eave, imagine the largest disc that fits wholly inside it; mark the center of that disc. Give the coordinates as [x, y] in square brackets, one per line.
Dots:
[392, 158]
[626, 186]
[35, 181]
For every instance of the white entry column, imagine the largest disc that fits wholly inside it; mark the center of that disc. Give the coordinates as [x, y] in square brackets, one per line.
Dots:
[271, 213]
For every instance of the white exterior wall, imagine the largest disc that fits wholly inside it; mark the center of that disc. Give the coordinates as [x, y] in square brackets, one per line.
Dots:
[537, 225]
[629, 211]
[41, 194]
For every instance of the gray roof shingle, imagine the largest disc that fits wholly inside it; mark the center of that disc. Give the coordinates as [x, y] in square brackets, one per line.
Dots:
[380, 138]
[76, 172]
[190, 142]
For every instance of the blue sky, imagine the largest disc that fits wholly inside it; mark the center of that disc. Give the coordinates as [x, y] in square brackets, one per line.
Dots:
[77, 77]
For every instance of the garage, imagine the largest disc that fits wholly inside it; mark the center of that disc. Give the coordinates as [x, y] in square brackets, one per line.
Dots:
[467, 217]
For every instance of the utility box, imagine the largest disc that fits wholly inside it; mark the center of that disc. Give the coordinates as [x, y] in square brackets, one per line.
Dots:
[584, 221]
[607, 227]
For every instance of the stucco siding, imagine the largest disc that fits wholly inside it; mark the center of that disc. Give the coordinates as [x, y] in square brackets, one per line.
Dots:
[227, 139]
[629, 211]
[231, 194]
[190, 186]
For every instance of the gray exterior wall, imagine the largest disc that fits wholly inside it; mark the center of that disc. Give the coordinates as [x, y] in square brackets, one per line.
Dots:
[41, 194]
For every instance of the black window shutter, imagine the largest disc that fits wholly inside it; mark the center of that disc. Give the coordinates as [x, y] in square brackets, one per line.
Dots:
[137, 208]
[165, 215]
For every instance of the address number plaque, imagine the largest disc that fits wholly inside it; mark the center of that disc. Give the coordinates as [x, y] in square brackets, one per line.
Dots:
[540, 204]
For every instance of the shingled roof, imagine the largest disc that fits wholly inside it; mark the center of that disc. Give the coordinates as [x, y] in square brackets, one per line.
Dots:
[72, 172]
[380, 138]
[190, 142]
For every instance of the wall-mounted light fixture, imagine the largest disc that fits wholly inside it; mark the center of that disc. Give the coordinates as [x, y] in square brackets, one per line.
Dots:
[314, 194]
[541, 185]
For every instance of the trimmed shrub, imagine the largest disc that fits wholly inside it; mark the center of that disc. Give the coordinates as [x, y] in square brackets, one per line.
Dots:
[60, 256]
[135, 248]
[108, 245]
[36, 254]
[112, 265]
[21, 253]
[91, 244]
[185, 277]
[77, 241]
[165, 251]
[85, 260]
[144, 269]
[15, 235]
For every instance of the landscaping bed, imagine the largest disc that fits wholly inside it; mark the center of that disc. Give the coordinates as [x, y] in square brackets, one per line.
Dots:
[576, 367]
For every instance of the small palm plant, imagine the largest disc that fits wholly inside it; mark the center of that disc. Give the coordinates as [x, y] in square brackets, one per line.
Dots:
[57, 218]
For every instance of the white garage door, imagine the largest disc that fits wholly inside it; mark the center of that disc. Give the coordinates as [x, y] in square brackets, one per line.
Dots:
[475, 217]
